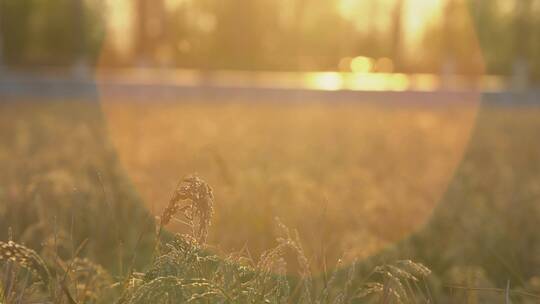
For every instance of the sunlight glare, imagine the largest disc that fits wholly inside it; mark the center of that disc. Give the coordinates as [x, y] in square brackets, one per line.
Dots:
[119, 22]
[361, 64]
[417, 14]
[376, 16]
[327, 81]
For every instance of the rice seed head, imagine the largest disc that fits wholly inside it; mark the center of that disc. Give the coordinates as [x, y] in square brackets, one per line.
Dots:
[194, 197]
[369, 289]
[25, 257]
[418, 269]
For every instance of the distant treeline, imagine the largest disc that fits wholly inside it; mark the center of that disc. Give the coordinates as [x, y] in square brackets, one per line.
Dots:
[269, 35]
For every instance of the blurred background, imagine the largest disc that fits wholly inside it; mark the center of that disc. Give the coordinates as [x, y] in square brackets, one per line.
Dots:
[389, 36]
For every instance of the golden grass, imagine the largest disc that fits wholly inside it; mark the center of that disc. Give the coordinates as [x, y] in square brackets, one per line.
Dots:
[354, 176]
[351, 178]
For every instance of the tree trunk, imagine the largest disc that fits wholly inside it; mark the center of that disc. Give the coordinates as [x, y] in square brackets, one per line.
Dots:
[80, 64]
[141, 19]
[520, 68]
[397, 34]
[1, 45]
[448, 59]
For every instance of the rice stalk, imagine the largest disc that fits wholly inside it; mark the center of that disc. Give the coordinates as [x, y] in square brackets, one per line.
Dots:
[26, 258]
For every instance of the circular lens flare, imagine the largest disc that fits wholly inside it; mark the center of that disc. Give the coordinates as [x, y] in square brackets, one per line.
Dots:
[353, 174]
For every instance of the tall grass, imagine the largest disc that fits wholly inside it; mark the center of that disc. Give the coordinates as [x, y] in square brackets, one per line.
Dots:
[185, 270]
[65, 200]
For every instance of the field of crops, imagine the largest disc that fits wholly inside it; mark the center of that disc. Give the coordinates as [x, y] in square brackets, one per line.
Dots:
[454, 187]
[348, 169]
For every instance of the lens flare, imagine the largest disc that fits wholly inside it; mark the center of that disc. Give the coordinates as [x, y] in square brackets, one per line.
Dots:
[360, 141]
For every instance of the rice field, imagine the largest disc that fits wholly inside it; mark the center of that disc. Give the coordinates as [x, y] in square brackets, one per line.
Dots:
[355, 167]
[307, 199]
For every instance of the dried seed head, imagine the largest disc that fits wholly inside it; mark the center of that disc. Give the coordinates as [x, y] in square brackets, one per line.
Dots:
[25, 257]
[418, 269]
[193, 197]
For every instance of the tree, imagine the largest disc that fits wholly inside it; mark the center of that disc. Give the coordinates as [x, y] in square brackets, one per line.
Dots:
[522, 28]
[14, 16]
[396, 34]
[80, 63]
[1, 48]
